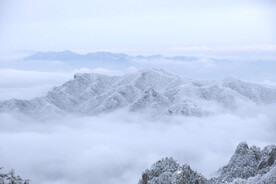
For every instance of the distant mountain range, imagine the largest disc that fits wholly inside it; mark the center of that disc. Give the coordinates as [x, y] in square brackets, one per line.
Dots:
[247, 166]
[100, 56]
[150, 90]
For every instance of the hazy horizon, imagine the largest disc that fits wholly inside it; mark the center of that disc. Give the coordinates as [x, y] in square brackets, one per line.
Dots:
[138, 26]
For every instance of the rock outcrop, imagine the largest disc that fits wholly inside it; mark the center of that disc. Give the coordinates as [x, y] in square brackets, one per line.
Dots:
[246, 166]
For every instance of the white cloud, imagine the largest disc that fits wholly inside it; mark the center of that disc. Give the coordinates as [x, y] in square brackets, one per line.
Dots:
[229, 48]
[115, 148]
[28, 84]
[268, 82]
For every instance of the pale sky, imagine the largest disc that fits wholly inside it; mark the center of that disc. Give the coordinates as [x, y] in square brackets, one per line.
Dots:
[137, 25]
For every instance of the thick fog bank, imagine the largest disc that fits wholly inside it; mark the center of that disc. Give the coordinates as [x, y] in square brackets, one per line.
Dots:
[116, 147]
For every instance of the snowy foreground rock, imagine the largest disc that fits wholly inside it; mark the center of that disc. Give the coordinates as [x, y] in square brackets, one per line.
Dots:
[11, 178]
[151, 90]
[246, 166]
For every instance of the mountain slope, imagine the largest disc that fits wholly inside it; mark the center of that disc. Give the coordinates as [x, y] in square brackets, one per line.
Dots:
[146, 90]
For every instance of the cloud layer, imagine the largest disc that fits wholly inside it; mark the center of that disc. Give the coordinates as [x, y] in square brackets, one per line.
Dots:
[115, 148]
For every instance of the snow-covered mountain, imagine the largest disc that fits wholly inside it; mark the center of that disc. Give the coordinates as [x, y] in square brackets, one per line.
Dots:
[246, 166]
[151, 90]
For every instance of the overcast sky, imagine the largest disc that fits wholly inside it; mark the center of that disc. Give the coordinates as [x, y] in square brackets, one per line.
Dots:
[137, 25]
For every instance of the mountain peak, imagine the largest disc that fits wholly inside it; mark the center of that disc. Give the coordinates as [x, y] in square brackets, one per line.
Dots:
[156, 71]
[242, 148]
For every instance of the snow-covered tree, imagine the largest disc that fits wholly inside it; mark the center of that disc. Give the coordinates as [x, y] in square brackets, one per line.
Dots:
[11, 178]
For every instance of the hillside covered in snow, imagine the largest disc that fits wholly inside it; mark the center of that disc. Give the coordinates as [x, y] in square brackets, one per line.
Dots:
[150, 90]
[247, 166]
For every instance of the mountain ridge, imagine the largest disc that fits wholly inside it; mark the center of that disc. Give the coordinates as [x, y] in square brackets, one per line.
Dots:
[101, 56]
[151, 90]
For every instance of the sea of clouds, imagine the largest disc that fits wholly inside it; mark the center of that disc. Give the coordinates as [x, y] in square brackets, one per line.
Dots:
[115, 148]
